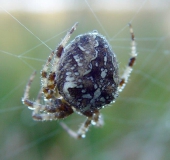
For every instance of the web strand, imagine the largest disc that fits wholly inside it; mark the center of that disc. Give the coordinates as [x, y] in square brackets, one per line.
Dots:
[25, 28]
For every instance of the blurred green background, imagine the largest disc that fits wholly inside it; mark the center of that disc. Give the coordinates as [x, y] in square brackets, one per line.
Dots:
[137, 126]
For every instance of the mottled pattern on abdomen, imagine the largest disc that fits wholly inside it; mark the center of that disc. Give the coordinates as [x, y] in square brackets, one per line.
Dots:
[87, 73]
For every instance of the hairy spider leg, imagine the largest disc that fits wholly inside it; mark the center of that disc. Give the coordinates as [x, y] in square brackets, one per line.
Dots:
[59, 109]
[94, 119]
[39, 96]
[49, 80]
[45, 68]
[128, 70]
[25, 98]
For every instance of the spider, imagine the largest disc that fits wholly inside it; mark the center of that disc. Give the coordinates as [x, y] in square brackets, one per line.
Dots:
[81, 77]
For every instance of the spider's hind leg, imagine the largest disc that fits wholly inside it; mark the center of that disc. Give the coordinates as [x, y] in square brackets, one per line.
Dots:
[94, 119]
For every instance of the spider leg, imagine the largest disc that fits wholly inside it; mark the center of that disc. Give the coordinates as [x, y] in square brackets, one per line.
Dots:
[95, 119]
[31, 104]
[63, 43]
[81, 132]
[59, 109]
[45, 68]
[25, 99]
[49, 81]
[39, 96]
[127, 71]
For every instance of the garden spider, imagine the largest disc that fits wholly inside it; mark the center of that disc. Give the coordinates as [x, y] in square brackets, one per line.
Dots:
[81, 77]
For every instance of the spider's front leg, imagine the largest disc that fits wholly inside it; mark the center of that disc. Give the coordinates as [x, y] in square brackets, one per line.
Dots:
[48, 80]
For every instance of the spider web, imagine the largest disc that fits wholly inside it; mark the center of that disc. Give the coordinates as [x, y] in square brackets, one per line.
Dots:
[136, 126]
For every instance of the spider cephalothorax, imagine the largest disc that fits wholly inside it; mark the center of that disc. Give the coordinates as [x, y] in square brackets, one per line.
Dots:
[83, 77]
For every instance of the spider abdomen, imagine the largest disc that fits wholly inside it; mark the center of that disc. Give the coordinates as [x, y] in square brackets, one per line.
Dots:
[87, 73]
